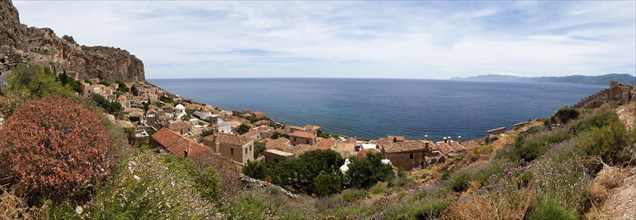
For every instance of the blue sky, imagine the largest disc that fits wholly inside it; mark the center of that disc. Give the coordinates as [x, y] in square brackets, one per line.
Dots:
[433, 40]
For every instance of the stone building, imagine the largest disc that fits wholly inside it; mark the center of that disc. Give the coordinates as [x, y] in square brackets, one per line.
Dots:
[239, 149]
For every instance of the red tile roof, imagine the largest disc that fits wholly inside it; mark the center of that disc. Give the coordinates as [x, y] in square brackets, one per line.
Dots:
[231, 139]
[280, 143]
[178, 125]
[301, 149]
[177, 144]
[303, 134]
[251, 134]
[470, 145]
[326, 144]
[404, 146]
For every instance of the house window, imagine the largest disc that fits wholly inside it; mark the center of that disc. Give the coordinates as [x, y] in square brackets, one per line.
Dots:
[411, 155]
[245, 150]
[231, 151]
[307, 141]
[250, 147]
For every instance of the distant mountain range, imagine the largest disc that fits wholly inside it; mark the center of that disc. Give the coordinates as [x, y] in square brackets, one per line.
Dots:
[578, 79]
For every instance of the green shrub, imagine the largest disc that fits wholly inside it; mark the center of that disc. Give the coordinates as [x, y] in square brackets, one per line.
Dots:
[431, 210]
[256, 169]
[365, 172]
[352, 195]
[459, 182]
[610, 142]
[530, 147]
[248, 206]
[564, 115]
[379, 188]
[327, 183]
[551, 209]
[597, 120]
[259, 148]
[208, 184]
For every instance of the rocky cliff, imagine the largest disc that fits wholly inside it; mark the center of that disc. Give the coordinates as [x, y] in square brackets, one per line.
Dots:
[20, 44]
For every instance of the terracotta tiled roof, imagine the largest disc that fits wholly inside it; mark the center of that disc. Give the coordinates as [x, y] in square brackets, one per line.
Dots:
[326, 144]
[178, 125]
[259, 114]
[470, 145]
[261, 122]
[396, 138]
[404, 146]
[251, 134]
[177, 144]
[312, 127]
[231, 139]
[280, 143]
[303, 134]
[278, 152]
[301, 149]
[363, 153]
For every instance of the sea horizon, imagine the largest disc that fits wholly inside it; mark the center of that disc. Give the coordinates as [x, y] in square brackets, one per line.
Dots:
[358, 120]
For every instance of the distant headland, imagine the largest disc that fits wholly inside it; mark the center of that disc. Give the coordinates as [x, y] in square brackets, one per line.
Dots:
[577, 79]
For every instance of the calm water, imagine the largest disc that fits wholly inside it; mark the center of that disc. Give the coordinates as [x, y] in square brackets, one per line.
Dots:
[372, 108]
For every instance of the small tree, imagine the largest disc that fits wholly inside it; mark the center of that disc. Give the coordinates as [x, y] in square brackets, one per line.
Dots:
[243, 128]
[52, 147]
[134, 90]
[69, 39]
[327, 183]
[257, 170]
[366, 172]
[259, 148]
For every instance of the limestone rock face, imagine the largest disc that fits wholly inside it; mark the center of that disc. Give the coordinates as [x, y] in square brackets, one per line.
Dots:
[21, 44]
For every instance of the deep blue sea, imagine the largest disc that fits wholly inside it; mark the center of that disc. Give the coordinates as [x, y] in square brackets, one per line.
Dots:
[373, 108]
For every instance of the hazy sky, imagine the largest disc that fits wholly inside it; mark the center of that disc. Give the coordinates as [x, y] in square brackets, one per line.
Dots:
[208, 39]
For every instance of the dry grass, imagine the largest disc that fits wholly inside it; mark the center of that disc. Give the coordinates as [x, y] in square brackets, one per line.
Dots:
[13, 207]
[600, 188]
[490, 206]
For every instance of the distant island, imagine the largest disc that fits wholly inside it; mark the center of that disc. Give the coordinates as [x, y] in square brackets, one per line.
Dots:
[578, 79]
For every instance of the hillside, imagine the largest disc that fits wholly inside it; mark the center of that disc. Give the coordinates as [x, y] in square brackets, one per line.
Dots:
[578, 79]
[20, 44]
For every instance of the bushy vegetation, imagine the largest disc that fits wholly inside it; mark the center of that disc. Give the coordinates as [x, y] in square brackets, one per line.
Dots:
[166, 99]
[243, 128]
[51, 147]
[113, 108]
[259, 149]
[28, 82]
[563, 116]
[365, 172]
[318, 172]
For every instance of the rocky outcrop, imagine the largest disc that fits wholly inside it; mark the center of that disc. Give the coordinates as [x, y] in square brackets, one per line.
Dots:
[21, 44]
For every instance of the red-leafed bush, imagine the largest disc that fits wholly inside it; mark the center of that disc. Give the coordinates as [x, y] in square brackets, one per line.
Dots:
[51, 147]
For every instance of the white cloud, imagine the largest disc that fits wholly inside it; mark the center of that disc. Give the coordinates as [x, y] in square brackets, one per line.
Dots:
[353, 39]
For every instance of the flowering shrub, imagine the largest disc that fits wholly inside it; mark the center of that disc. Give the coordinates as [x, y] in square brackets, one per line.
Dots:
[51, 147]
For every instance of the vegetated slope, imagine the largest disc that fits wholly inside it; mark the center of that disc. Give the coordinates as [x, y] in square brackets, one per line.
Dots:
[21, 44]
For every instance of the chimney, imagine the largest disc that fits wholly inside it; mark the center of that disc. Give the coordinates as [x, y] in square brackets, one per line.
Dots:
[459, 139]
[185, 153]
[427, 147]
[444, 140]
[426, 137]
[449, 139]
